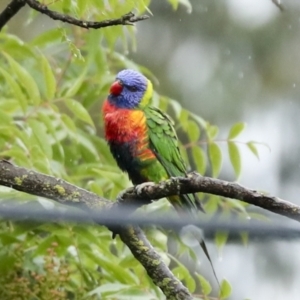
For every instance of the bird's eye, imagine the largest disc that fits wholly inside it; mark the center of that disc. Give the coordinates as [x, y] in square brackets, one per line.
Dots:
[132, 88]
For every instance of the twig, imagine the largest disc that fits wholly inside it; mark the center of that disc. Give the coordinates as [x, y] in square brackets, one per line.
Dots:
[278, 4]
[15, 5]
[11, 9]
[127, 19]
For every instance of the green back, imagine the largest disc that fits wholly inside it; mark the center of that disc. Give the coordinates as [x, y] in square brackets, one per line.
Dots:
[164, 142]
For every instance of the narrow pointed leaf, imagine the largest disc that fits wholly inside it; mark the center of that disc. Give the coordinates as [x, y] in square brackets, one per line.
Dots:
[39, 130]
[235, 130]
[15, 89]
[225, 290]
[253, 149]
[193, 131]
[215, 156]
[199, 159]
[79, 111]
[49, 78]
[205, 285]
[235, 158]
[220, 239]
[25, 79]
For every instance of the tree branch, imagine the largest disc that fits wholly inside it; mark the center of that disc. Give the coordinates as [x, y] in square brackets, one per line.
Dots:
[196, 183]
[61, 191]
[128, 19]
[15, 5]
[38, 184]
[11, 9]
[161, 275]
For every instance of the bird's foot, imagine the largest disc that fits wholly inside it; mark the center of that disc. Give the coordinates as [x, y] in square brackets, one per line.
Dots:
[139, 188]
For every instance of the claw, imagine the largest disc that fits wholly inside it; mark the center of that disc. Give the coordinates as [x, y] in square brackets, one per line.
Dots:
[139, 187]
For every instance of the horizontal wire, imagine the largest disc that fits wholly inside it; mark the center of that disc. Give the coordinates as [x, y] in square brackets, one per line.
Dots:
[123, 216]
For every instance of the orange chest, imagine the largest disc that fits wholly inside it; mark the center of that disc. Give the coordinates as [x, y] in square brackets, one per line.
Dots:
[123, 125]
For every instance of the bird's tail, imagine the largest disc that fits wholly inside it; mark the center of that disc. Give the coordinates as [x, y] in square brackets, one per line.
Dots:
[188, 205]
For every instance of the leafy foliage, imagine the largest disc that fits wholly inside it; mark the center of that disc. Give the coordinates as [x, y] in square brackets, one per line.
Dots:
[50, 97]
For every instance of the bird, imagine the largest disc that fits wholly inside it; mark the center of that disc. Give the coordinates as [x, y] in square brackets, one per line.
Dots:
[142, 138]
[143, 141]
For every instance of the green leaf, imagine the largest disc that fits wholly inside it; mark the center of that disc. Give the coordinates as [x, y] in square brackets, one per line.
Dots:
[245, 237]
[25, 79]
[220, 239]
[39, 159]
[193, 131]
[47, 37]
[15, 89]
[253, 149]
[199, 120]
[235, 130]
[235, 158]
[225, 290]
[199, 159]
[215, 156]
[212, 131]
[79, 111]
[69, 125]
[49, 78]
[182, 273]
[19, 155]
[205, 285]
[176, 107]
[120, 274]
[39, 131]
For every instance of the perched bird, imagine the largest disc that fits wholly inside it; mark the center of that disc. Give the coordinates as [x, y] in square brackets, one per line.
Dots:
[142, 138]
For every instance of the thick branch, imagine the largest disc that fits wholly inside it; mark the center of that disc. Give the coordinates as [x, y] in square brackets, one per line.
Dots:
[128, 19]
[38, 184]
[12, 8]
[47, 186]
[196, 183]
[143, 251]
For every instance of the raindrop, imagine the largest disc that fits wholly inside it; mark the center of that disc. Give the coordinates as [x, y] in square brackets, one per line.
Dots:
[241, 75]
[249, 57]
[294, 85]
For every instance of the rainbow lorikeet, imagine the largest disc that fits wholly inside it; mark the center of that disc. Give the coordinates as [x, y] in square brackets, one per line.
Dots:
[142, 138]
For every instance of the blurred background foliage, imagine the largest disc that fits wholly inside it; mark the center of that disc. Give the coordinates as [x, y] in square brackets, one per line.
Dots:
[225, 63]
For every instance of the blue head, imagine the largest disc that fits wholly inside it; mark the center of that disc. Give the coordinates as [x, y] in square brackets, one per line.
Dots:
[130, 90]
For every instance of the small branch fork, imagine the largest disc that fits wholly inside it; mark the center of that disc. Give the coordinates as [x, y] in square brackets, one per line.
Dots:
[15, 5]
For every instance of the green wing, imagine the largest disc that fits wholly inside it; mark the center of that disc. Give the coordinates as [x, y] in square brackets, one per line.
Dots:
[164, 143]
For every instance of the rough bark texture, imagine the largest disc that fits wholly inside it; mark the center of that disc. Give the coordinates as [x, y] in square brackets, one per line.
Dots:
[143, 251]
[197, 183]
